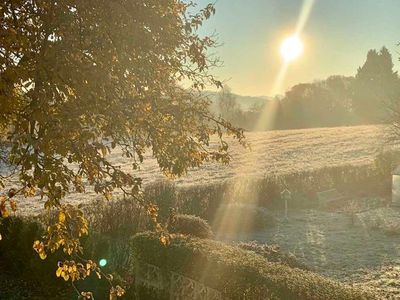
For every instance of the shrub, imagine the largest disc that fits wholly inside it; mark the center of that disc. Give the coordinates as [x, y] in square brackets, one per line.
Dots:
[272, 253]
[191, 225]
[386, 161]
[236, 273]
[163, 194]
[119, 217]
[18, 256]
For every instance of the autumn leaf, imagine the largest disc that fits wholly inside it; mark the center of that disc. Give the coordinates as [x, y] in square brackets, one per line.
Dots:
[61, 217]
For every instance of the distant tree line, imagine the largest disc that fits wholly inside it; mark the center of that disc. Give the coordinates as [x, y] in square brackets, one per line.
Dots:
[366, 98]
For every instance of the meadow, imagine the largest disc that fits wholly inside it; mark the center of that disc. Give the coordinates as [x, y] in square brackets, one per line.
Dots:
[271, 153]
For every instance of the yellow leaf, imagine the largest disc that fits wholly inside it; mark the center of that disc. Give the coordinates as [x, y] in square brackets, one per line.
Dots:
[61, 217]
[59, 271]
[42, 255]
[108, 195]
[65, 276]
[5, 213]
[113, 295]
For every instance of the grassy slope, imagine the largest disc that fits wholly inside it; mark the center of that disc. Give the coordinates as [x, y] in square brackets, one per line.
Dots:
[282, 151]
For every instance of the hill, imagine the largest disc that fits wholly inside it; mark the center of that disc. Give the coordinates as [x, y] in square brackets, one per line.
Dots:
[272, 152]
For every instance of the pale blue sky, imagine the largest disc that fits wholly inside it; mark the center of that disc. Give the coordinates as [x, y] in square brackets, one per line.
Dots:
[337, 36]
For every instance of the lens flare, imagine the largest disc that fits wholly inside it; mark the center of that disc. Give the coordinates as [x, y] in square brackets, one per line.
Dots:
[103, 262]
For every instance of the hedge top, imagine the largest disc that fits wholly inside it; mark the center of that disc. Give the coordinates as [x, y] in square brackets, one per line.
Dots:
[237, 273]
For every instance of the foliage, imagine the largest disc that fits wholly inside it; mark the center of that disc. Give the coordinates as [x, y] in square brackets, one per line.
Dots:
[78, 79]
[237, 273]
[17, 255]
[272, 253]
[86, 72]
[376, 86]
[122, 217]
[227, 105]
[191, 225]
[322, 103]
[369, 97]
[386, 162]
[162, 194]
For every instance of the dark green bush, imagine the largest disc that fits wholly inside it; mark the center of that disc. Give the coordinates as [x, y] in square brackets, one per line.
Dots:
[18, 256]
[191, 225]
[237, 273]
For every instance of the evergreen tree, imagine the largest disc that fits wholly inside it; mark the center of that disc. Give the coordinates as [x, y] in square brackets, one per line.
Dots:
[375, 86]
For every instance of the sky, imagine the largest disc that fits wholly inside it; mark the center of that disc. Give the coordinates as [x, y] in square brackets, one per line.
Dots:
[336, 37]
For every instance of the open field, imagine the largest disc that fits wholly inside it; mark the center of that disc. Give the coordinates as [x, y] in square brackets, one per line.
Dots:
[272, 152]
[286, 151]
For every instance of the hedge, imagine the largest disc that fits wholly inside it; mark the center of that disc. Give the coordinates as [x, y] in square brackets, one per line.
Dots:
[19, 258]
[191, 225]
[204, 200]
[237, 273]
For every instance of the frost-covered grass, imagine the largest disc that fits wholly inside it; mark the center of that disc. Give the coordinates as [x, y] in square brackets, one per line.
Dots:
[330, 244]
[272, 152]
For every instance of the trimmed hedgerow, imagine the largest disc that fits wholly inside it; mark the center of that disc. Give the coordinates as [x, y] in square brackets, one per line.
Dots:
[191, 225]
[204, 200]
[272, 253]
[236, 273]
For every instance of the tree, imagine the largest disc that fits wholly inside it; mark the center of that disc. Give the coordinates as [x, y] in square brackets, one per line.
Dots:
[228, 107]
[375, 86]
[79, 78]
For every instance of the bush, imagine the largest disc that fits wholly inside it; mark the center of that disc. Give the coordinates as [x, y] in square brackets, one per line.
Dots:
[163, 194]
[191, 225]
[119, 217]
[18, 256]
[272, 253]
[236, 273]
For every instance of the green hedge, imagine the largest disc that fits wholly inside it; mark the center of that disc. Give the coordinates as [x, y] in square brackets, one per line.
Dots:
[191, 225]
[272, 253]
[237, 273]
[19, 258]
[204, 200]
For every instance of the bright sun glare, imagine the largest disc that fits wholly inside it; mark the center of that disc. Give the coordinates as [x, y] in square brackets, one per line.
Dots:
[291, 48]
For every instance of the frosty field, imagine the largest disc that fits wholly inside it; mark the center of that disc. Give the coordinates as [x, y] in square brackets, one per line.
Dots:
[272, 152]
[283, 151]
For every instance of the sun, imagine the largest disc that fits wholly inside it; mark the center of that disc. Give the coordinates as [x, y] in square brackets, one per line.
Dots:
[291, 48]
